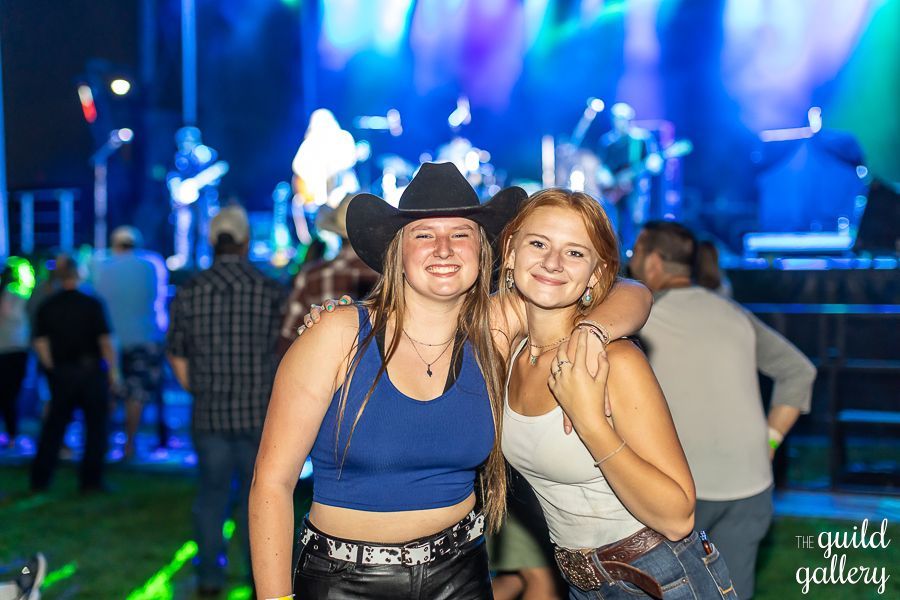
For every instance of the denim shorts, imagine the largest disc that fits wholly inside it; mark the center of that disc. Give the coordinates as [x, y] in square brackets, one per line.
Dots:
[683, 569]
[142, 367]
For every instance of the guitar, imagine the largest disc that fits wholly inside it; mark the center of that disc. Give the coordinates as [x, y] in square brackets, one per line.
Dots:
[187, 191]
[615, 187]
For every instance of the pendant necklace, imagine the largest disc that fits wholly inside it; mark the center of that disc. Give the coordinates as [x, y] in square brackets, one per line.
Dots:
[446, 345]
[533, 358]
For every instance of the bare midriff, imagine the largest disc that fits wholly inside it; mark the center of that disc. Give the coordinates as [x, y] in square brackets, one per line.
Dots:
[387, 527]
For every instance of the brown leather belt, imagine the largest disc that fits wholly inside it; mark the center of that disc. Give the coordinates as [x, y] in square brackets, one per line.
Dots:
[579, 568]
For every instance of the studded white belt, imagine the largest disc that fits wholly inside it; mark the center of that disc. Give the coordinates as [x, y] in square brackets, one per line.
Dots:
[416, 552]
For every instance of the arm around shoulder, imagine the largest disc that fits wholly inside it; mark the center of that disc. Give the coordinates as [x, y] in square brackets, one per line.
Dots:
[624, 310]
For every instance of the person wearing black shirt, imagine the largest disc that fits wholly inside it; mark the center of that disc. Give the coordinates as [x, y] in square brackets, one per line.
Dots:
[72, 341]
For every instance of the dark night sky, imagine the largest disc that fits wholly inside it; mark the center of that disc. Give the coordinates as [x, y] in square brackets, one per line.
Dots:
[46, 45]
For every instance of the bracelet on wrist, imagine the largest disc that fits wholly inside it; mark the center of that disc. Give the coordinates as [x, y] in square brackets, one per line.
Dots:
[610, 455]
[599, 330]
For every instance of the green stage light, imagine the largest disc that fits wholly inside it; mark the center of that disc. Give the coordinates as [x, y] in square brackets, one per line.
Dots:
[159, 586]
[64, 572]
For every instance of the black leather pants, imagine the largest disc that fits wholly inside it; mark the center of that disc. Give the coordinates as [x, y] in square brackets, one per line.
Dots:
[462, 575]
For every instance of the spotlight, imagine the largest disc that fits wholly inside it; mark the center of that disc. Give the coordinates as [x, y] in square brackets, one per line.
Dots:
[596, 105]
[120, 87]
[124, 135]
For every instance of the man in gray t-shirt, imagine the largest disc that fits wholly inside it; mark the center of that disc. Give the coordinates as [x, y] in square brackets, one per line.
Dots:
[133, 282]
[706, 351]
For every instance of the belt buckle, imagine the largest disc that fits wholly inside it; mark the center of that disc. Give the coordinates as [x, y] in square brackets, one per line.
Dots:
[415, 554]
[578, 568]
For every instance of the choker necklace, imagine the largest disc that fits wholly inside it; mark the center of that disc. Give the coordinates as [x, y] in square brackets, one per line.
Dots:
[533, 358]
[446, 345]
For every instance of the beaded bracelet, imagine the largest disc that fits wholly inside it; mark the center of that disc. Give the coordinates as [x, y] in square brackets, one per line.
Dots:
[598, 330]
[610, 455]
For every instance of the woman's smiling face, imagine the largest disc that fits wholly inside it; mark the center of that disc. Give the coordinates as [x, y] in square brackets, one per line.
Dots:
[553, 259]
[440, 256]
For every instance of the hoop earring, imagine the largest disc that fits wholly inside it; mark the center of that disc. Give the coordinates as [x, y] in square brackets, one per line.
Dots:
[510, 283]
[587, 297]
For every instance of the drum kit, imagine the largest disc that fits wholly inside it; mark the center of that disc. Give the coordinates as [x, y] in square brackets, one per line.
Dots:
[570, 164]
[393, 172]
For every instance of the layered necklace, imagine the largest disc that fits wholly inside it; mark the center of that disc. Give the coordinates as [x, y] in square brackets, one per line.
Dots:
[533, 358]
[446, 346]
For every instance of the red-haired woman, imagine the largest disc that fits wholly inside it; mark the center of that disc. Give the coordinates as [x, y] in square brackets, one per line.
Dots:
[618, 497]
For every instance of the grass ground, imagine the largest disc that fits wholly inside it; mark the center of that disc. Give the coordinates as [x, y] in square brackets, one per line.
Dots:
[109, 546]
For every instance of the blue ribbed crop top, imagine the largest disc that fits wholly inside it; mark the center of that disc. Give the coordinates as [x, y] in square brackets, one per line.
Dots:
[405, 454]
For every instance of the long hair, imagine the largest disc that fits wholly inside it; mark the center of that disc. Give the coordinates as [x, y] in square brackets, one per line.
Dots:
[599, 229]
[386, 302]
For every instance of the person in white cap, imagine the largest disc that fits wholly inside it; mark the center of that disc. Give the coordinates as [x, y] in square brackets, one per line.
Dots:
[221, 345]
[133, 283]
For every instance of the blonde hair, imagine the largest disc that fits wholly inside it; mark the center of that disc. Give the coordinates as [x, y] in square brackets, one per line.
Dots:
[386, 301]
[599, 229]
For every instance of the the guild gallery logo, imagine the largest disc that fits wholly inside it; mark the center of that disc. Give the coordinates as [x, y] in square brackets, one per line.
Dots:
[837, 571]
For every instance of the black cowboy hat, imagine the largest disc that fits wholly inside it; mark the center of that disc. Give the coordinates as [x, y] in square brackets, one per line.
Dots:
[437, 190]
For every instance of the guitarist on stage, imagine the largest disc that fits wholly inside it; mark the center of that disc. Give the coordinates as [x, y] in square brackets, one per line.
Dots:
[193, 187]
[625, 175]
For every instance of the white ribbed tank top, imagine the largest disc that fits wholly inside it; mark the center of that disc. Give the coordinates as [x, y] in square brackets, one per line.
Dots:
[581, 509]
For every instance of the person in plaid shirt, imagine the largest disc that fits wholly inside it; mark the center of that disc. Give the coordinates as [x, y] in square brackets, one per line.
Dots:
[320, 281]
[221, 345]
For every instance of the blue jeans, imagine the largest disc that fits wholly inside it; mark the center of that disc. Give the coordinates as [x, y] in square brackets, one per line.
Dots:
[220, 458]
[682, 569]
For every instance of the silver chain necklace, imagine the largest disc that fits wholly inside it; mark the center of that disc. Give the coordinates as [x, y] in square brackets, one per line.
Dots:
[428, 370]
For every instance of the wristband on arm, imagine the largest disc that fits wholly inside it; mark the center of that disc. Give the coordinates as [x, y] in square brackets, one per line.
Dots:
[775, 438]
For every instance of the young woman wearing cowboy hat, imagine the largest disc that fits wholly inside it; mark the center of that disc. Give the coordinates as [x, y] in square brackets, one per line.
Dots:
[397, 401]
